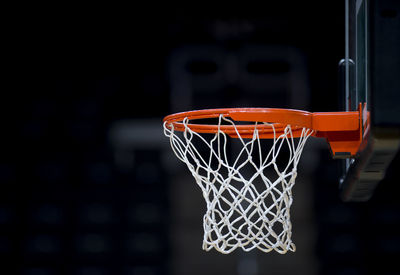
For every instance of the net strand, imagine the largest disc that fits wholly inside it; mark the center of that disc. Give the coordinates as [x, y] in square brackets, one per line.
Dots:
[239, 213]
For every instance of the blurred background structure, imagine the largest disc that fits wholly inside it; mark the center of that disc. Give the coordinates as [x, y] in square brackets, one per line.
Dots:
[89, 185]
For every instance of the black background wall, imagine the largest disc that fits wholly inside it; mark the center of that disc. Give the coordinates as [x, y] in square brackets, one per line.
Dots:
[72, 71]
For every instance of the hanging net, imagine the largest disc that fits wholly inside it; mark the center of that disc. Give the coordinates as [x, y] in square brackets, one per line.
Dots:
[248, 191]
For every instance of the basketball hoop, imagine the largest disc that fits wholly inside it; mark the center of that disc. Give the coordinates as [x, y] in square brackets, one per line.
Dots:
[253, 210]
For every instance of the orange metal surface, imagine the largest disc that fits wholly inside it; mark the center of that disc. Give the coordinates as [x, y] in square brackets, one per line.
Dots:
[342, 130]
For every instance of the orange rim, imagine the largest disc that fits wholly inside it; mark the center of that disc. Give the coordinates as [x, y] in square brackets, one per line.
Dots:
[342, 130]
[280, 118]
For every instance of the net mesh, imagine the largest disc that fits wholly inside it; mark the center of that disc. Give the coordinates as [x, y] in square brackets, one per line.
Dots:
[248, 195]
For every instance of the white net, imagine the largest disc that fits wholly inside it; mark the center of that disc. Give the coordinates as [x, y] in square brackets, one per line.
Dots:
[248, 195]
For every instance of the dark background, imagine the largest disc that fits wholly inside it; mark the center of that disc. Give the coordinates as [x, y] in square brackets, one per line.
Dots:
[65, 206]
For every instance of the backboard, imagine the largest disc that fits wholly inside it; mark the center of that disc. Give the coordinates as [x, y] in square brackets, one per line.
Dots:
[369, 76]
